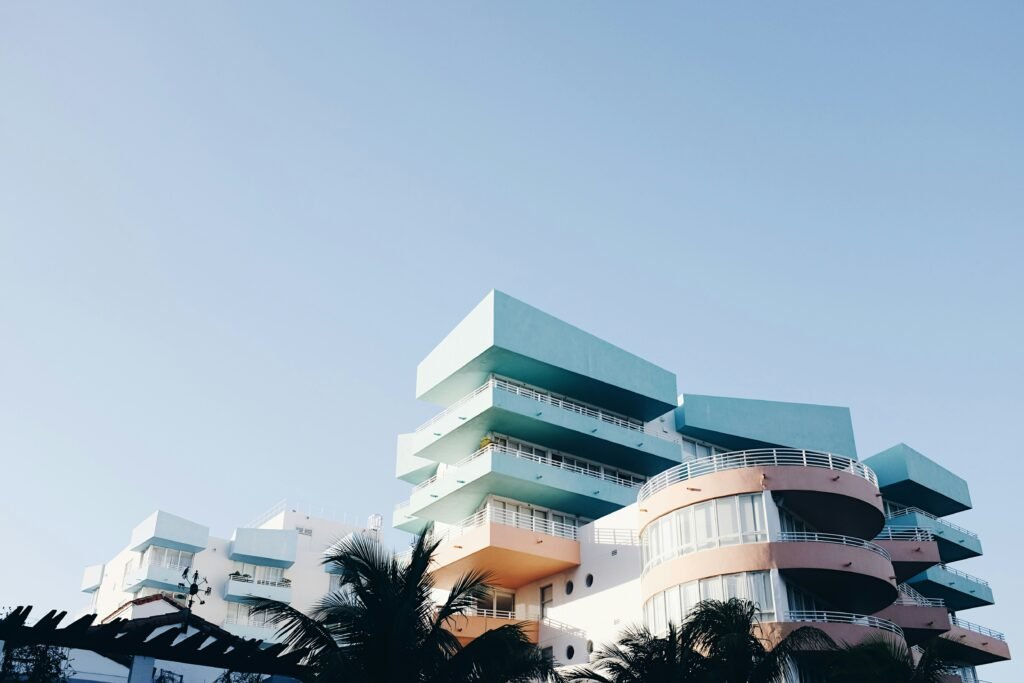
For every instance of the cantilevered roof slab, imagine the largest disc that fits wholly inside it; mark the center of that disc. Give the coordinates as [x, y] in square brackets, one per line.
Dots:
[909, 477]
[507, 337]
[741, 423]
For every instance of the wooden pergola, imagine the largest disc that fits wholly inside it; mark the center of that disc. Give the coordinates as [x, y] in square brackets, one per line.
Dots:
[136, 643]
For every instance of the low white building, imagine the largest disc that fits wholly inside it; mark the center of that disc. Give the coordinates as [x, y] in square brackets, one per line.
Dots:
[279, 556]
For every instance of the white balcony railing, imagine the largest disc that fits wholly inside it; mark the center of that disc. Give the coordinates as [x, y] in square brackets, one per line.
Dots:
[983, 630]
[492, 613]
[505, 451]
[963, 574]
[762, 457]
[895, 511]
[821, 617]
[905, 533]
[540, 397]
[491, 515]
[909, 596]
[838, 539]
[283, 583]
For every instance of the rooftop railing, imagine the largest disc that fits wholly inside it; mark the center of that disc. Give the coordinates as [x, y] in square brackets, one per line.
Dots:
[983, 630]
[518, 520]
[762, 457]
[822, 617]
[900, 510]
[963, 574]
[540, 397]
[838, 539]
[904, 533]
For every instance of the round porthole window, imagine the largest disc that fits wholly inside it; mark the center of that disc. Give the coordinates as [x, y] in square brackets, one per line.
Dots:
[590, 647]
[570, 652]
[568, 587]
[590, 580]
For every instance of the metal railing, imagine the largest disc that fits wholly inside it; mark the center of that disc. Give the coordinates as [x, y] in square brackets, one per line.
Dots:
[493, 448]
[541, 397]
[241, 578]
[492, 613]
[904, 533]
[909, 596]
[165, 562]
[491, 515]
[898, 511]
[762, 457]
[821, 617]
[838, 539]
[963, 574]
[983, 630]
[245, 621]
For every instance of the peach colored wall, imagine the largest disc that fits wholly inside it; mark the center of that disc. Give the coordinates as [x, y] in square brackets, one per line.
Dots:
[754, 479]
[759, 556]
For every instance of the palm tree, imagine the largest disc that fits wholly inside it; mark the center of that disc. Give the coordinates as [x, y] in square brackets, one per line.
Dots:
[890, 660]
[382, 626]
[639, 656]
[728, 634]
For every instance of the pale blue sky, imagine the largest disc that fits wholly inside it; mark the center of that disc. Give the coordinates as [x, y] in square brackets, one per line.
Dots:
[229, 231]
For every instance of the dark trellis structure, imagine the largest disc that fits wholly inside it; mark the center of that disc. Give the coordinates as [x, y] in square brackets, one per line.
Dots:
[122, 639]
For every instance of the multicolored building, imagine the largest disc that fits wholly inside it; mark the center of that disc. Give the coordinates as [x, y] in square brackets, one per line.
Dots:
[598, 497]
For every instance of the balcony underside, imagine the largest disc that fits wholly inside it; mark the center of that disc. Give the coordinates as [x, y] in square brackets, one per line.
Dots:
[457, 435]
[920, 623]
[239, 591]
[514, 556]
[958, 592]
[976, 649]
[910, 558]
[850, 634]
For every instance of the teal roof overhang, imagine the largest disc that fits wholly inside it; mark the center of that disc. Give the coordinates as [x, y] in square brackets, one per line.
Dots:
[507, 337]
[740, 423]
[909, 477]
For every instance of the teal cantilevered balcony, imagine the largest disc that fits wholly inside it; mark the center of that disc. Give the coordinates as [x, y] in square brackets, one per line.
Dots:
[504, 336]
[745, 424]
[506, 472]
[955, 542]
[92, 577]
[536, 416]
[958, 589]
[169, 531]
[267, 547]
[409, 467]
[907, 476]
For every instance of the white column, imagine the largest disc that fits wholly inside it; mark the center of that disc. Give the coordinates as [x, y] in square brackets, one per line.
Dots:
[141, 670]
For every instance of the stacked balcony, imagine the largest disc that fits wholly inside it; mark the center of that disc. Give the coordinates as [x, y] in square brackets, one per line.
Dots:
[270, 548]
[167, 544]
[509, 369]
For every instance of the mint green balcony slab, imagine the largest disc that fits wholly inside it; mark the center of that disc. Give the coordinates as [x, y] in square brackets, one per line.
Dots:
[403, 521]
[456, 433]
[907, 476]
[267, 547]
[955, 542]
[409, 467]
[169, 531]
[740, 423]
[153, 576]
[459, 492]
[505, 336]
[959, 590]
[239, 589]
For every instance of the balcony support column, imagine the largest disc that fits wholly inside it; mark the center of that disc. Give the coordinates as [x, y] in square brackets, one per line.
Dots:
[141, 669]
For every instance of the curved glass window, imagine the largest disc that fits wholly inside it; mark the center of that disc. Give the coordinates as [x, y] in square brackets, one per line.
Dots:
[713, 523]
[673, 604]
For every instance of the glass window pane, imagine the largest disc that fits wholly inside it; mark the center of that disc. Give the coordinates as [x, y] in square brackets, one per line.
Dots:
[728, 521]
[704, 525]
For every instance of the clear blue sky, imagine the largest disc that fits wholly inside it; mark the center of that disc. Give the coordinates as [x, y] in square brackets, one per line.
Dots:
[229, 231]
